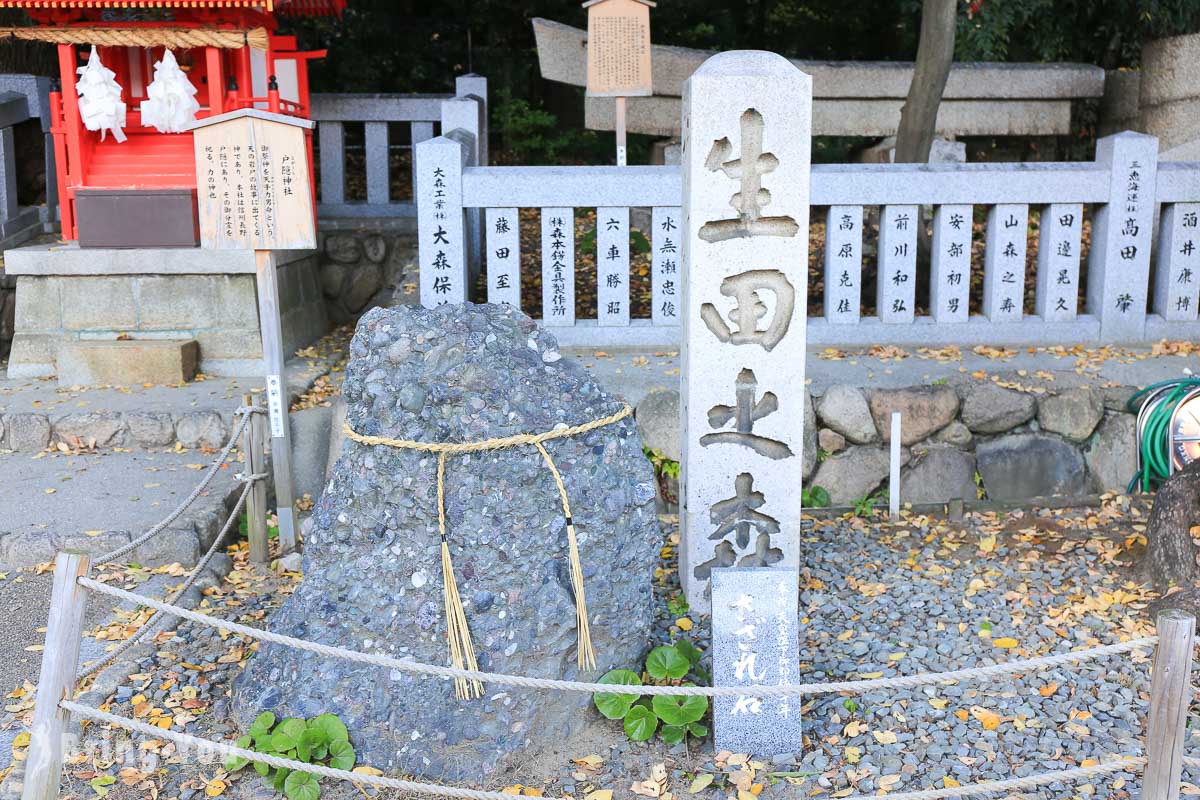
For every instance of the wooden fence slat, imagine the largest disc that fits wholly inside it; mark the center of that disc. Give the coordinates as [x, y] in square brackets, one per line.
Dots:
[843, 264]
[1004, 262]
[503, 256]
[558, 266]
[612, 266]
[895, 291]
[665, 277]
[1170, 696]
[1059, 238]
[950, 278]
[1177, 278]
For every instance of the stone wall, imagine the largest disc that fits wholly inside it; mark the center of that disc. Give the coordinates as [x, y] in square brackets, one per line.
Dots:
[8, 310]
[367, 264]
[964, 441]
[218, 310]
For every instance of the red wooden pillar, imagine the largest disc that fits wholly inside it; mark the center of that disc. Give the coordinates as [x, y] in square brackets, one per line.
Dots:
[69, 173]
[216, 80]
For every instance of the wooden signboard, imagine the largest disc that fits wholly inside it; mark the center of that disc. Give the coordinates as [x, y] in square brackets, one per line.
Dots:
[252, 182]
[618, 48]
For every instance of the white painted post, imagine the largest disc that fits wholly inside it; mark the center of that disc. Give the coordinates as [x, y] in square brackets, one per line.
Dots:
[267, 278]
[441, 228]
[666, 291]
[950, 279]
[60, 660]
[746, 188]
[1170, 696]
[503, 256]
[894, 469]
[612, 266]
[558, 266]
[1119, 261]
[1004, 262]
[463, 114]
[1059, 239]
[895, 291]
[1177, 278]
[843, 264]
[253, 463]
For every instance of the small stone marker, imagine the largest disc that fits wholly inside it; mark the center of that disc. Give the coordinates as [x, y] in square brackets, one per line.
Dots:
[1004, 262]
[950, 284]
[1178, 277]
[558, 266]
[843, 264]
[755, 622]
[1058, 261]
[441, 225]
[503, 256]
[666, 291]
[745, 221]
[896, 294]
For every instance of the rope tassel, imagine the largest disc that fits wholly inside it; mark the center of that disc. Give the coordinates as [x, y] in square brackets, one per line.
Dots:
[585, 653]
[458, 634]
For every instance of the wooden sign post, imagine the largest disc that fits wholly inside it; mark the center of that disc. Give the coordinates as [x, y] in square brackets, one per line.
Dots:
[619, 55]
[254, 193]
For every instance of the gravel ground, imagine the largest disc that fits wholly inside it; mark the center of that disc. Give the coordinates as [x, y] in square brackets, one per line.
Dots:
[922, 595]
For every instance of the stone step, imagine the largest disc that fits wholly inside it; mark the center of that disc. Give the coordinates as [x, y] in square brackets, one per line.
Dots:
[167, 362]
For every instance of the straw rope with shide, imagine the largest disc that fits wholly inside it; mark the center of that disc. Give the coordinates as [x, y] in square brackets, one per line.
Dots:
[458, 633]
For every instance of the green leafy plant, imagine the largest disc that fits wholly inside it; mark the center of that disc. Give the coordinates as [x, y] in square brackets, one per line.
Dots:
[865, 505]
[814, 497]
[673, 718]
[244, 528]
[678, 606]
[320, 740]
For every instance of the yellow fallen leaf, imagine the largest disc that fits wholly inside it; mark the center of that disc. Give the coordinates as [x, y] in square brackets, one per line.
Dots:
[51, 491]
[35, 648]
[1006, 642]
[962, 715]
[599, 794]
[988, 543]
[950, 783]
[938, 702]
[852, 754]
[684, 624]
[853, 729]
[744, 795]
[1048, 689]
[888, 781]
[699, 784]
[214, 788]
[365, 770]
[990, 720]
[845, 635]
[884, 737]
[514, 789]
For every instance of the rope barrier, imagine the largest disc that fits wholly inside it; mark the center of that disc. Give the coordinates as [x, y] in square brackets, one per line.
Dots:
[244, 412]
[197, 571]
[174, 38]
[187, 740]
[902, 681]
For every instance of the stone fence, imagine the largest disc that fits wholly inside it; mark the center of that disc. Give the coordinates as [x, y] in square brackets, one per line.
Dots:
[1100, 274]
[376, 113]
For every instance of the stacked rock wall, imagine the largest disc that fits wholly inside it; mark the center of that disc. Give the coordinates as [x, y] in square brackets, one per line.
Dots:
[367, 264]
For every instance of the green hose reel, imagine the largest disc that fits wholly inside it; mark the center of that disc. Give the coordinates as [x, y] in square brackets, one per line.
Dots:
[1168, 430]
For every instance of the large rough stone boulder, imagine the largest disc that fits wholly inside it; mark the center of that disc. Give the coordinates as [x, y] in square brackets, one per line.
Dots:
[853, 473]
[1024, 465]
[372, 571]
[924, 410]
[658, 423]
[1112, 457]
[845, 410]
[988, 408]
[937, 475]
[1073, 413]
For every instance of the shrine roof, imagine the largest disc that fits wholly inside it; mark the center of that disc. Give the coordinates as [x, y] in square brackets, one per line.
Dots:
[286, 7]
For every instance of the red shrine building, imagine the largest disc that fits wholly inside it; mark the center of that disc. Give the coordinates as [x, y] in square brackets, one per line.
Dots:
[228, 50]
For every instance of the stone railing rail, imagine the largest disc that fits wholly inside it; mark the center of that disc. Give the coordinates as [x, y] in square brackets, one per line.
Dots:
[1123, 193]
[375, 112]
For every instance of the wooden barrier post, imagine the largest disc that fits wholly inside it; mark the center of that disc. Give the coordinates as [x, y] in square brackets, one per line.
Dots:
[1170, 696]
[256, 501]
[60, 659]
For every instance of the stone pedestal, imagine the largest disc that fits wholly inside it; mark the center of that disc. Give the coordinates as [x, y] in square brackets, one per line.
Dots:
[67, 294]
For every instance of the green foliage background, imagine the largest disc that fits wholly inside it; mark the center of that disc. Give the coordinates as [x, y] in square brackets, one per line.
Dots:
[407, 46]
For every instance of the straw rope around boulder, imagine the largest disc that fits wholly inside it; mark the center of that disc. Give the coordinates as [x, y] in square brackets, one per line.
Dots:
[458, 634]
[175, 38]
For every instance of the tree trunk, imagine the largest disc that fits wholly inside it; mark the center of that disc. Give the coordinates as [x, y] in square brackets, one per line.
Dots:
[1170, 552]
[935, 53]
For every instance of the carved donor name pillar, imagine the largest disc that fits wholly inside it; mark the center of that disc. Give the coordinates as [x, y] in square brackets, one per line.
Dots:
[746, 140]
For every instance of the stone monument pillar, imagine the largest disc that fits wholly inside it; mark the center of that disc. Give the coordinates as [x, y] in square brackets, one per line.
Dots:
[747, 126]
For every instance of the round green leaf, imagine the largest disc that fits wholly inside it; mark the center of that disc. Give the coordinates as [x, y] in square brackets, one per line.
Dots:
[262, 769]
[673, 734]
[666, 662]
[698, 730]
[640, 724]
[820, 497]
[314, 737]
[688, 651]
[341, 755]
[287, 734]
[262, 724]
[616, 706]
[234, 763]
[679, 710]
[279, 778]
[301, 786]
[334, 728]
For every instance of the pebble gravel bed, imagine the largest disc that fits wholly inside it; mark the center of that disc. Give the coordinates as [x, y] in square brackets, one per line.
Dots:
[923, 595]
